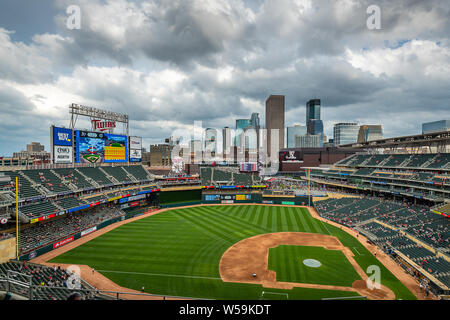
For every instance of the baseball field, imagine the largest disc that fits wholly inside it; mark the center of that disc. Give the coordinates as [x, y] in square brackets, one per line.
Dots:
[212, 252]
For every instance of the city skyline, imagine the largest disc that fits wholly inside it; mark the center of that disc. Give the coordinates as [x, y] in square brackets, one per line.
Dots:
[220, 62]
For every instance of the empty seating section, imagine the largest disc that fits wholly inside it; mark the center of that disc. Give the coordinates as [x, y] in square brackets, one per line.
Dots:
[118, 173]
[206, 176]
[418, 160]
[396, 160]
[432, 161]
[47, 179]
[414, 251]
[440, 161]
[358, 160]
[70, 202]
[375, 160]
[363, 172]
[242, 179]
[96, 175]
[38, 209]
[138, 172]
[70, 175]
[25, 189]
[221, 175]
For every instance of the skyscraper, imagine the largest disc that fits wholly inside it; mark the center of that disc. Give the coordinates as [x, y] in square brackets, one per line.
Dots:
[275, 120]
[254, 120]
[370, 133]
[241, 126]
[227, 143]
[345, 133]
[312, 110]
[308, 140]
[292, 132]
[211, 140]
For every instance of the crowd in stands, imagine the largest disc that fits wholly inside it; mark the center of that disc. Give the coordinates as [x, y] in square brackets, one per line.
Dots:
[47, 283]
[368, 215]
[53, 230]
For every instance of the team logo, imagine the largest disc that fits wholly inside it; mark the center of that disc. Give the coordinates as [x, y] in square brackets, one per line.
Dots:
[63, 136]
[291, 155]
[103, 125]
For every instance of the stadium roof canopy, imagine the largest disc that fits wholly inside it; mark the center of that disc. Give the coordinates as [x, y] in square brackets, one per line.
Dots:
[435, 139]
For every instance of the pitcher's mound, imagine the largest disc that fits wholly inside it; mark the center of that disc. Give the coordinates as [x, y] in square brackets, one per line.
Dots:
[313, 263]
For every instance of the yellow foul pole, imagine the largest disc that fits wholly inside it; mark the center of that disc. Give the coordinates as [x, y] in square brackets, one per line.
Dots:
[17, 217]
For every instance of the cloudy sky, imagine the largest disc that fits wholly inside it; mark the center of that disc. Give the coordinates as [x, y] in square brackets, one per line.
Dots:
[167, 63]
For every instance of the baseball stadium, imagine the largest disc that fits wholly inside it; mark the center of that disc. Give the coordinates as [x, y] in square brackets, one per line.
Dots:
[367, 227]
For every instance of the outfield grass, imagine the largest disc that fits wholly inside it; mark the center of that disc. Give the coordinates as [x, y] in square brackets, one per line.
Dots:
[335, 269]
[177, 252]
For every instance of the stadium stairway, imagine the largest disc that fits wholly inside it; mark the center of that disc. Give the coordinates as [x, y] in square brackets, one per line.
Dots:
[39, 188]
[129, 175]
[71, 186]
[109, 176]
[90, 180]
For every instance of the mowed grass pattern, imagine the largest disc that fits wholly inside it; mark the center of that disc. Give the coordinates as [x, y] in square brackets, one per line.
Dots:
[178, 252]
[335, 269]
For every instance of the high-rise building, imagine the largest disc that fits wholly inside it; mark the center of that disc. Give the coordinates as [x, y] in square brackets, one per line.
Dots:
[312, 110]
[308, 141]
[160, 155]
[254, 119]
[345, 133]
[211, 140]
[241, 125]
[35, 147]
[292, 132]
[315, 127]
[275, 120]
[370, 133]
[227, 143]
[435, 126]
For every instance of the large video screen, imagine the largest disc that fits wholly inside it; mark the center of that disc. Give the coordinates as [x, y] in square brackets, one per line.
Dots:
[96, 147]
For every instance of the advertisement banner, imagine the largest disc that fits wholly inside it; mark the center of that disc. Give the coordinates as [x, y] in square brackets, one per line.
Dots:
[62, 242]
[240, 197]
[135, 155]
[227, 201]
[63, 154]
[136, 143]
[62, 137]
[212, 197]
[87, 231]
